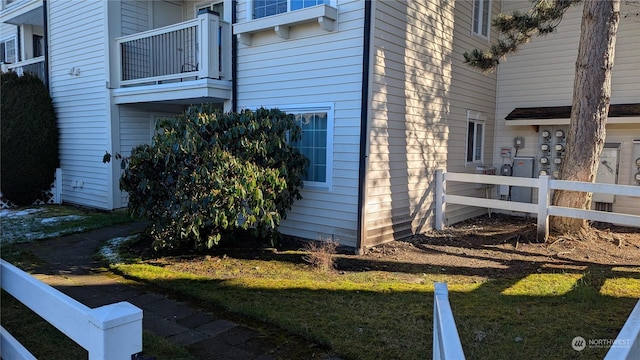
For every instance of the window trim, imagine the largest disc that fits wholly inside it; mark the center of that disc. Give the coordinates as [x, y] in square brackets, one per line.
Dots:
[317, 107]
[481, 25]
[476, 118]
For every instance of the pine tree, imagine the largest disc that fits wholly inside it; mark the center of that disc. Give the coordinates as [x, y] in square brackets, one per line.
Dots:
[591, 90]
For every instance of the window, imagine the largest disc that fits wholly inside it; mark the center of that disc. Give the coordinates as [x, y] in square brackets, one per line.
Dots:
[316, 142]
[8, 51]
[38, 46]
[475, 137]
[263, 8]
[481, 17]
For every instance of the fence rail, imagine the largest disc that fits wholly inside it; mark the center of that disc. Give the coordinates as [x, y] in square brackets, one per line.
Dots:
[109, 332]
[33, 66]
[627, 344]
[188, 49]
[543, 209]
[446, 341]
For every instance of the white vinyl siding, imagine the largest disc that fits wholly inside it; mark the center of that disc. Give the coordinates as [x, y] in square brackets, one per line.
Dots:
[421, 91]
[135, 16]
[312, 67]
[81, 101]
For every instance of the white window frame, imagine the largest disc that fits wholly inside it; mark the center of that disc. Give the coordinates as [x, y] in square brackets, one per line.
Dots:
[318, 107]
[250, 9]
[209, 4]
[477, 118]
[15, 47]
[480, 19]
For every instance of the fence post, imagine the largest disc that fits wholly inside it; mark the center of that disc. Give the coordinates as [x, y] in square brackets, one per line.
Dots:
[57, 195]
[543, 208]
[115, 331]
[440, 204]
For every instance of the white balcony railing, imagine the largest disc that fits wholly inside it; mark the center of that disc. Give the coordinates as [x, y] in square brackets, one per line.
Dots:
[187, 50]
[33, 66]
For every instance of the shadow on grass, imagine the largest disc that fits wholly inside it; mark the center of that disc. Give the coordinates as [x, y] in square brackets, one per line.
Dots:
[385, 323]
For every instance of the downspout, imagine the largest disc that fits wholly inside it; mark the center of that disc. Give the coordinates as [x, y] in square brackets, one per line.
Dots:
[364, 133]
[45, 25]
[234, 60]
[18, 44]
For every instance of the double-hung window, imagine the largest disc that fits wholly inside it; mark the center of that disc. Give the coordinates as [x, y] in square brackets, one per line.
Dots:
[475, 137]
[263, 8]
[8, 51]
[316, 142]
[481, 17]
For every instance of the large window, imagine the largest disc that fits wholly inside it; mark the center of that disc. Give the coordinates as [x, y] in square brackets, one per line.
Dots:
[481, 17]
[475, 137]
[262, 8]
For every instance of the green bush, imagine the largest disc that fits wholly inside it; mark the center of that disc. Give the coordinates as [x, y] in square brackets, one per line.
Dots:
[29, 143]
[208, 174]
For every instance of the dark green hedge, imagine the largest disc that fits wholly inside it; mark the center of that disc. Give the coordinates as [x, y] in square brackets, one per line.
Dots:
[29, 143]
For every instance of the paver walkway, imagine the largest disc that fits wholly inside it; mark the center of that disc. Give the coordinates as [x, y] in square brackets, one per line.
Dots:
[70, 266]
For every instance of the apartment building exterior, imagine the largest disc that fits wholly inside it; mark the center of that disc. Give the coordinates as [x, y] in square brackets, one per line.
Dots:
[380, 87]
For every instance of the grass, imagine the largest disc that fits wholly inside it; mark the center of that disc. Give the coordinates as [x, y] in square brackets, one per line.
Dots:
[383, 315]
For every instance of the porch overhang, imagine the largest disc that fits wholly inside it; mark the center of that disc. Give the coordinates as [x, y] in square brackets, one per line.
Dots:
[23, 12]
[560, 115]
[182, 93]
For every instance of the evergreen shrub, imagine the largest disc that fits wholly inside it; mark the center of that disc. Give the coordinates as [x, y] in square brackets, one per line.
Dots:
[207, 175]
[29, 138]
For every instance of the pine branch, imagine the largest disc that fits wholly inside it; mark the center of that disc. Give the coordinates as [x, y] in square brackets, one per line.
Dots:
[517, 29]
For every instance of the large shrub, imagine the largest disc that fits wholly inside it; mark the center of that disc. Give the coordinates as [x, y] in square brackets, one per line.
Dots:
[29, 143]
[207, 174]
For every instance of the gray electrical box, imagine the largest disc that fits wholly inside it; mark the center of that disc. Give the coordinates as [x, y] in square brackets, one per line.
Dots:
[522, 167]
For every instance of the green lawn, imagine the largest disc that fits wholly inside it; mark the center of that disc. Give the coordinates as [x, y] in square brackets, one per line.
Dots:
[388, 315]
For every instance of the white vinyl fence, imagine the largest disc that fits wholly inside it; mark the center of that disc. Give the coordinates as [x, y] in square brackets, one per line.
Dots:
[446, 341]
[109, 332]
[543, 209]
[627, 344]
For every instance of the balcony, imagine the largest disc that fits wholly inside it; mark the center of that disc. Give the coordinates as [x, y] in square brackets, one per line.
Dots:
[188, 62]
[33, 66]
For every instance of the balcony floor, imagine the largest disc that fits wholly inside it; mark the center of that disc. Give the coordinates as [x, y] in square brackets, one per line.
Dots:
[181, 93]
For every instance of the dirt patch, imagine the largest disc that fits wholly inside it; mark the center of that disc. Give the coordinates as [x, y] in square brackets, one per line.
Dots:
[496, 246]
[507, 245]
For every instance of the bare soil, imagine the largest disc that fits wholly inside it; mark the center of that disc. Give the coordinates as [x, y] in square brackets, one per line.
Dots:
[496, 246]
[506, 245]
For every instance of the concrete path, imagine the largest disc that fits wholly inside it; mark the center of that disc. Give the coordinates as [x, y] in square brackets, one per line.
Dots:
[69, 265]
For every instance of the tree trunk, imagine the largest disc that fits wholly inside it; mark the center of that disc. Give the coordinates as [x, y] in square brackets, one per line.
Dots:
[589, 108]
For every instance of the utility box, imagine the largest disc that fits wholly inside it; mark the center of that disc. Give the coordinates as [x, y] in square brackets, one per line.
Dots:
[522, 167]
[607, 172]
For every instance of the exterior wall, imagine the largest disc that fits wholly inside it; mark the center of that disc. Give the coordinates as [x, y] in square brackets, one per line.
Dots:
[421, 91]
[314, 66]
[542, 74]
[135, 16]
[81, 101]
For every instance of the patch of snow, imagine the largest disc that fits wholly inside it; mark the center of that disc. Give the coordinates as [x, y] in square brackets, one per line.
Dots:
[110, 250]
[56, 219]
[10, 214]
